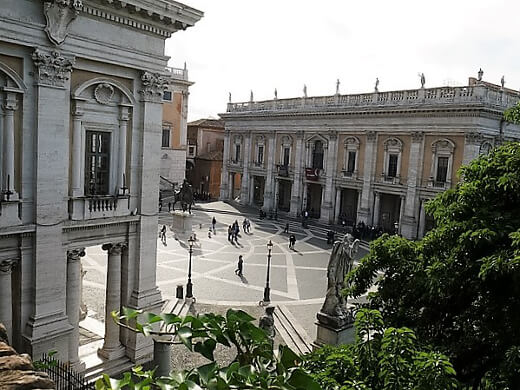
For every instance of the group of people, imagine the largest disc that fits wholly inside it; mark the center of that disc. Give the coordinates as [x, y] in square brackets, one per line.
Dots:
[233, 232]
[201, 196]
[362, 231]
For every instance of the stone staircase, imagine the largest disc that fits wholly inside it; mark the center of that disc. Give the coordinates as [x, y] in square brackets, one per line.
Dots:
[292, 333]
[112, 368]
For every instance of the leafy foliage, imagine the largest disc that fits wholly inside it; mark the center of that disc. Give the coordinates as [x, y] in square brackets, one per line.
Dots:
[380, 359]
[459, 287]
[256, 365]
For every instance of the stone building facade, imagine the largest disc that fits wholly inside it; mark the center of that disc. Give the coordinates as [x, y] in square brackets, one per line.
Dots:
[174, 130]
[81, 87]
[205, 152]
[373, 157]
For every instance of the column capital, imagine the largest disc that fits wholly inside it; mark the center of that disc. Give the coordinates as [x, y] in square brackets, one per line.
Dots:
[75, 254]
[333, 135]
[300, 134]
[53, 69]
[77, 109]
[371, 136]
[153, 87]
[417, 136]
[473, 138]
[114, 249]
[10, 103]
[6, 266]
[124, 113]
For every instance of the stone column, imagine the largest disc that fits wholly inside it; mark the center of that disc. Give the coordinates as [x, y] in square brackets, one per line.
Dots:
[375, 214]
[225, 191]
[73, 304]
[6, 295]
[337, 208]
[408, 223]
[296, 198]
[269, 194]
[471, 147]
[422, 219]
[244, 185]
[327, 208]
[401, 212]
[112, 348]
[184, 119]
[77, 156]
[368, 175]
[9, 106]
[122, 180]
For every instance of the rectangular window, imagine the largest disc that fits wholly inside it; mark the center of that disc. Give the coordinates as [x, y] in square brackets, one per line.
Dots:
[351, 162]
[97, 163]
[286, 156]
[191, 150]
[392, 165]
[260, 155]
[237, 153]
[166, 137]
[442, 169]
[167, 96]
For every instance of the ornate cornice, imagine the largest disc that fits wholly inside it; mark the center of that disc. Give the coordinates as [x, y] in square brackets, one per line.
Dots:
[371, 136]
[473, 138]
[153, 87]
[52, 68]
[6, 266]
[59, 15]
[159, 17]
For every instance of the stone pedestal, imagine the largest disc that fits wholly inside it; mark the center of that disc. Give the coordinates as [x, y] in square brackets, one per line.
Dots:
[9, 212]
[327, 334]
[162, 355]
[182, 224]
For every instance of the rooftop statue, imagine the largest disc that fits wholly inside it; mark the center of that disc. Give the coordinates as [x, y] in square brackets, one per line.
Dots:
[376, 87]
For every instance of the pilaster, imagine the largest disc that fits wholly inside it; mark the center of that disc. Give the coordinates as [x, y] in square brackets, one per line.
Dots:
[269, 194]
[244, 185]
[225, 192]
[472, 144]
[327, 205]
[6, 295]
[296, 189]
[365, 212]
[408, 222]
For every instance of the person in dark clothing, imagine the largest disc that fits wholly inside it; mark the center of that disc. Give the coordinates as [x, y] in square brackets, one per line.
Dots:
[163, 233]
[292, 241]
[286, 230]
[230, 234]
[240, 266]
[214, 223]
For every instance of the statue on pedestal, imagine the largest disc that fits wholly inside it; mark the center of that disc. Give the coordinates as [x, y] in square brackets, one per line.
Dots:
[185, 196]
[334, 311]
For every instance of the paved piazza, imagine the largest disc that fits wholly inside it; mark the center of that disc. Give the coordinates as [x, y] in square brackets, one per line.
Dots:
[298, 278]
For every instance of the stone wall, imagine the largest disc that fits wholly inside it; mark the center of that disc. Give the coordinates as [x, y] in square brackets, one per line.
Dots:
[17, 371]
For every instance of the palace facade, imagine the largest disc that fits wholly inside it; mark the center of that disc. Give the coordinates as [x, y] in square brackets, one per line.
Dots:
[81, 90]
[373, 157]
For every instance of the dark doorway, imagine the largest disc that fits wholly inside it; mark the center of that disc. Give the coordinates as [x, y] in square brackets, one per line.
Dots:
[258, 191]
[236, 182]
[349, 204]
[314, 200]
[284, 195]
[389, 212]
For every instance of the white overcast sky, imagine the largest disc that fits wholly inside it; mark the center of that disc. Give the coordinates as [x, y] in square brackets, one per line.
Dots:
[243, 45]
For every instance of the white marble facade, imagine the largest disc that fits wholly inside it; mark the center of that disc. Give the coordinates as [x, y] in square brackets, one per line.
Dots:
[81, 86]
[374, 157]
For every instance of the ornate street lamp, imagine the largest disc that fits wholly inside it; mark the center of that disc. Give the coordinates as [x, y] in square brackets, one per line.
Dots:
[189, 286]
[267, 290]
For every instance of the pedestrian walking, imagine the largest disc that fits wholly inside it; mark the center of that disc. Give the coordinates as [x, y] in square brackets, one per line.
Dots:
[286, 230]
[163, 234]
[292, 241]
[214, 223]
[169, 206]
[240, 266]
[244, 225]
[230, 234]
[248, 226]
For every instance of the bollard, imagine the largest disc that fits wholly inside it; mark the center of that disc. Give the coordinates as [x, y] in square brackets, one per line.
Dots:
[180, 291]
[162, 356]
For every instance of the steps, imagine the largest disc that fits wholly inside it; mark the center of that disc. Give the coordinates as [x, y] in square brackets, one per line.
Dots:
[294, 336]
[112, 368]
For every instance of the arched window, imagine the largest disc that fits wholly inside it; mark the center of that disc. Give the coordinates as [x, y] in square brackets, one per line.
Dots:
[260, 151]
[392, 160]
[442, 164]
[317, 155]
[486, 147]
[350, 157]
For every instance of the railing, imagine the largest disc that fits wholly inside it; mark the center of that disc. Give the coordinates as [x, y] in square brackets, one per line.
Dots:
[467, 94]
[63, 376]
[178, 73]
[102, 203]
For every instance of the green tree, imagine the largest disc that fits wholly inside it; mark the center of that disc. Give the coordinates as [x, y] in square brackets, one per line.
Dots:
[380, 359]
[256, 365]
[459, 287]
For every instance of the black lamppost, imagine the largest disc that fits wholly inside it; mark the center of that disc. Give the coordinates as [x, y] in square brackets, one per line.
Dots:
[267, 290]
[189, 286]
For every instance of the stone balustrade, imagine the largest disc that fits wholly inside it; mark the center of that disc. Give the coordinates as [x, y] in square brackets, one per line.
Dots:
[177, 73]
[482, 94]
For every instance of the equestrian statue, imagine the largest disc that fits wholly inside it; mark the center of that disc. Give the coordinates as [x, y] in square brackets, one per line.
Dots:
[185, 196]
